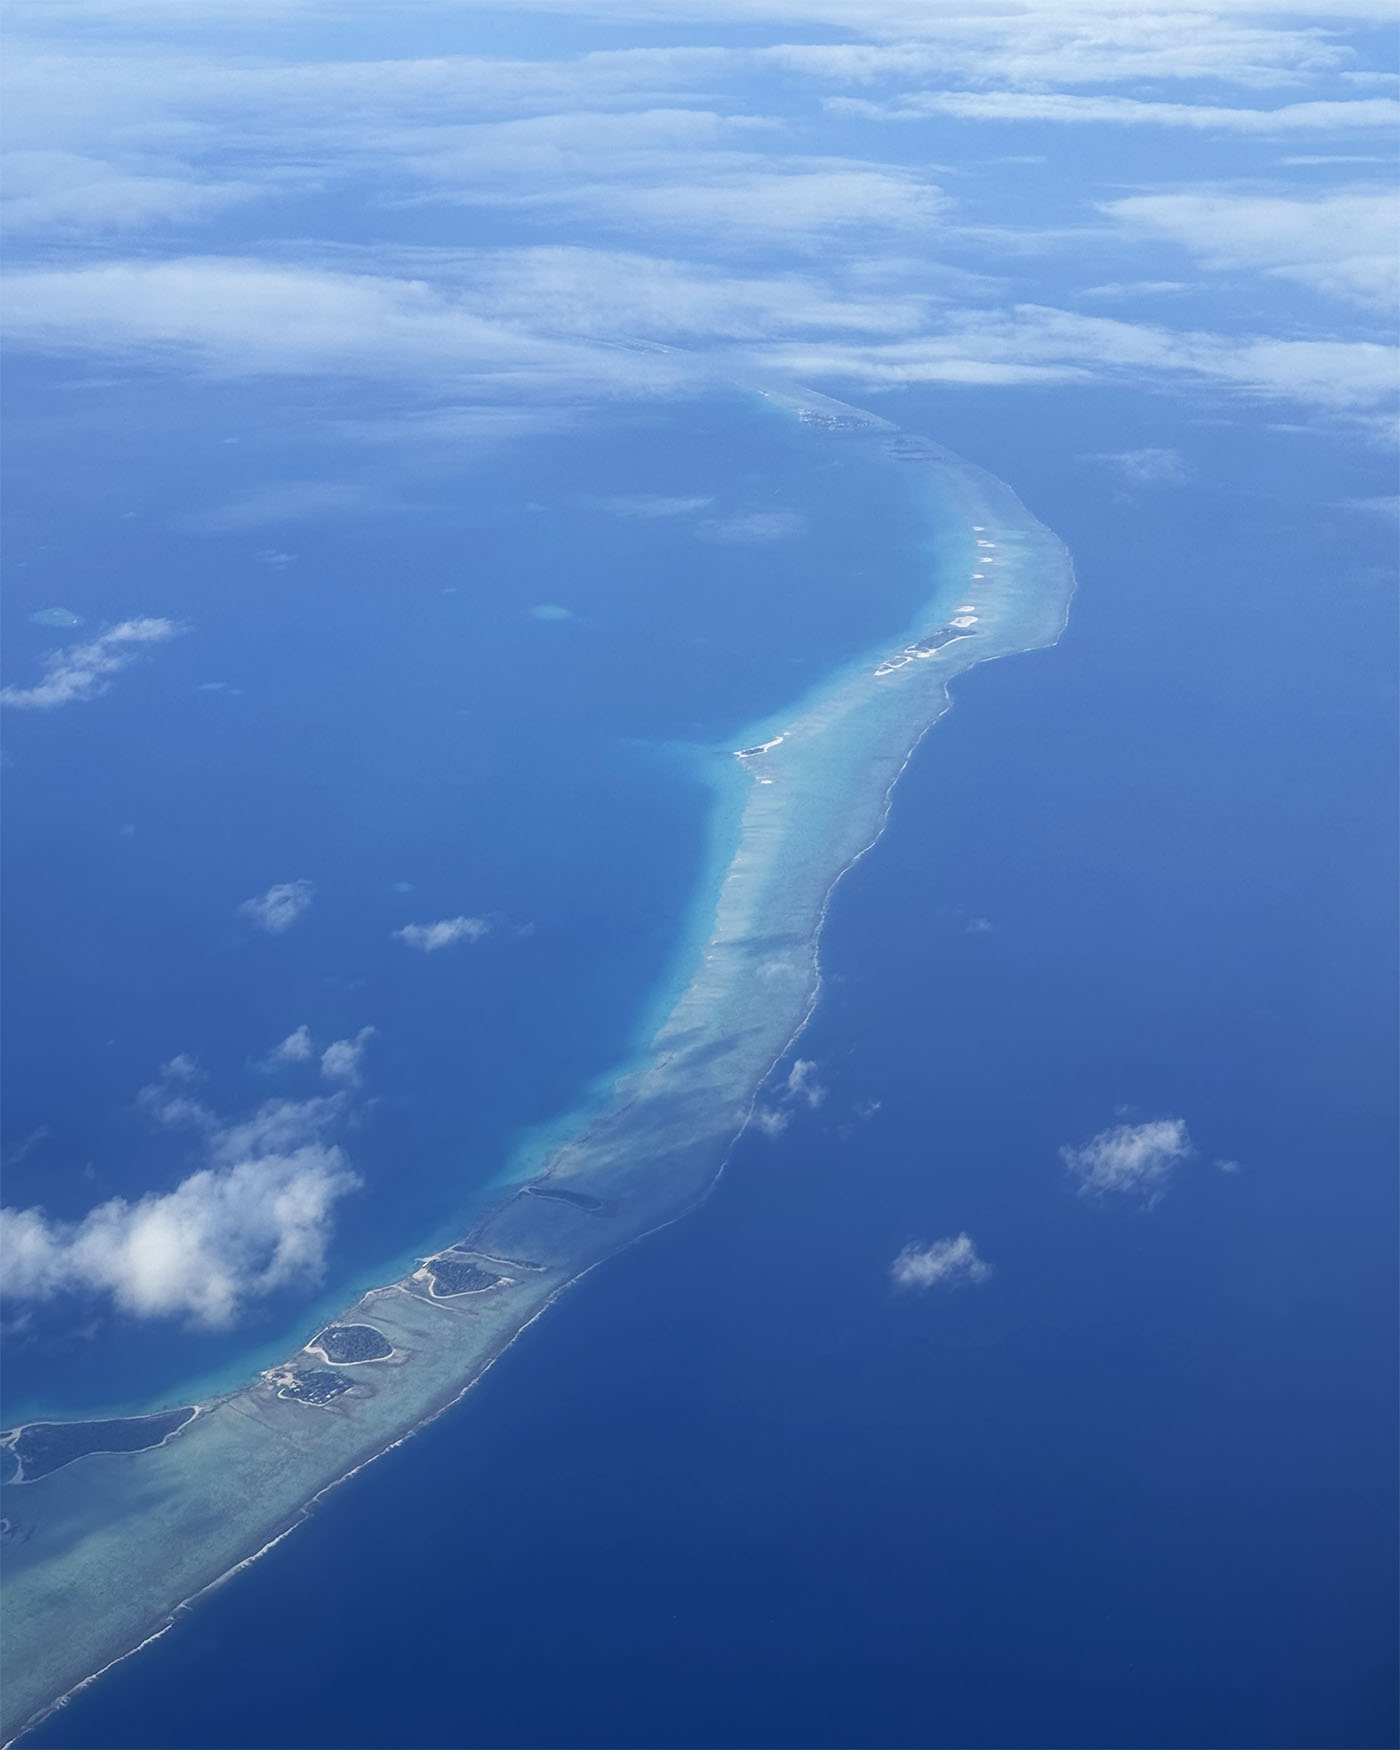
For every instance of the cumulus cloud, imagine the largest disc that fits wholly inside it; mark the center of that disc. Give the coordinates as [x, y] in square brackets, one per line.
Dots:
[443, 934]
[800, 1087]
[802, 1083]
[1149, 467]
[280, 907]
[342, 1058]
[170, 1099]
[81, 671]
[297, 1047]
[949, 1262]
[257, 1218]
[1129, 1159]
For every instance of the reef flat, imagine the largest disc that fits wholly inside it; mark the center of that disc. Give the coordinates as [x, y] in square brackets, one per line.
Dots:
[106, 1549]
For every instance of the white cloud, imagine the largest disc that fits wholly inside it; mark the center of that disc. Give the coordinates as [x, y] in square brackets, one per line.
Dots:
[246, 318]
[1342, 243]
[597, 294]
[277, 1127]
[1311, 158]
[1039, 43]
[1034, 344]
[169, 1099]
[341, 1060]
[770, 1122]
[243, 317]
[81, 671]
[1150, 466]
[950, 1262]
[646, 504]
[632, 145]
[1118, 289]
[1033, 43]
[1385, 504]
[1136, 1159]
[280, 907]
[583, 144]
[1041, 107]
[798, 203]
[255, 1220]
[297, 1047]
[673, 170]
[289, 501]
[64, 191]
[443, 934]
[758, 525]
[802, 1083]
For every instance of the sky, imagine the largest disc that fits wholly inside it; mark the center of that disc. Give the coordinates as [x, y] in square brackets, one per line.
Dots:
[508, 209]
[475, 220]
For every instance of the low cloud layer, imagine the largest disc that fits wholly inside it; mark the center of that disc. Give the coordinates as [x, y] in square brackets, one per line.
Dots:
[81, 671]
[1382, 113]
[280, 907]
[428, 938]
[255, 1219]
[946, 1263]
[1341, 243]
[758, 525]
[801, 1087]
[775, 203]
[802, 1083]
[297, 1047]
[246, 316]
[1135, 1160]
[646, 504]
[342, 1058]
[1149, 467]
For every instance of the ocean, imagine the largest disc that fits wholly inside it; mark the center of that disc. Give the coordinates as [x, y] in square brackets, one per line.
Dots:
[1136, 1488]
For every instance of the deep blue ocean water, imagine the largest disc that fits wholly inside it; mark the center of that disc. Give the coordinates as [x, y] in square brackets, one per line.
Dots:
[1137, 1488]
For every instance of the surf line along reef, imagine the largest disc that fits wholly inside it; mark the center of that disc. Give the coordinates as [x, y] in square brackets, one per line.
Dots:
[121, 1530]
